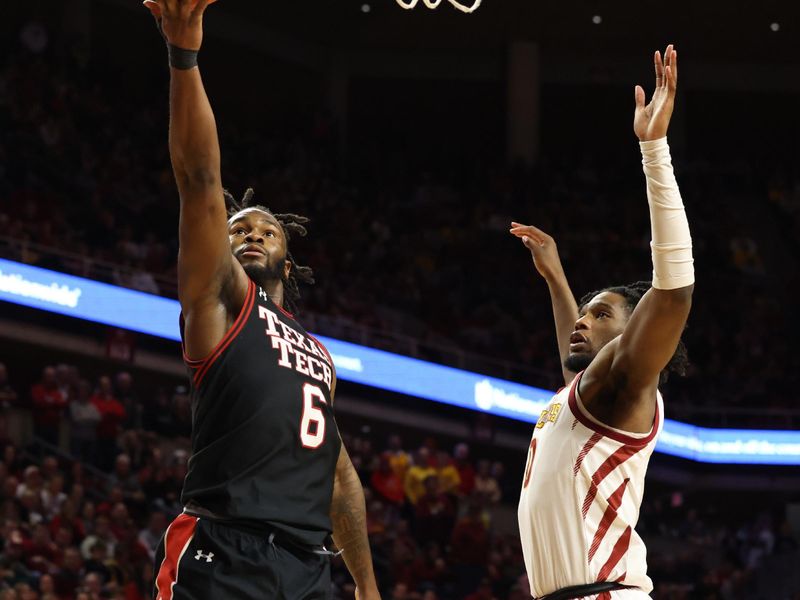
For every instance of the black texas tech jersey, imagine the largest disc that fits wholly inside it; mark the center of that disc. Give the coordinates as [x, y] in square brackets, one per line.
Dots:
[264, 440]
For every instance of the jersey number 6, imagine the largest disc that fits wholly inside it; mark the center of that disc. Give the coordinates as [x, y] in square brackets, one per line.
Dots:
[312, 423]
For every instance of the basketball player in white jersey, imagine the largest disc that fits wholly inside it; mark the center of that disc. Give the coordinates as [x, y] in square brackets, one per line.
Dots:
[584, 479]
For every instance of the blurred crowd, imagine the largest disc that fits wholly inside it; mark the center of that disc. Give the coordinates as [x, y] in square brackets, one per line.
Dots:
[420, 249]
[83, 508]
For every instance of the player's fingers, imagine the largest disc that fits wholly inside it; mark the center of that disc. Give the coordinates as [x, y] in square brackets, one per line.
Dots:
[638, 96]
[187, 8]
[201, 7]
[674, 66]
[153, 6]
[671, 81]
[525, 231]
[659, 68]
[538, 232]
[521, 232]
[532, 244]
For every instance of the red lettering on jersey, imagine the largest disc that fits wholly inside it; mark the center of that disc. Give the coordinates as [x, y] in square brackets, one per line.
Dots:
[529, 466]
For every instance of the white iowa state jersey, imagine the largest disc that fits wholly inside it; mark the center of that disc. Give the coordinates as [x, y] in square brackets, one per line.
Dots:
[580, 500]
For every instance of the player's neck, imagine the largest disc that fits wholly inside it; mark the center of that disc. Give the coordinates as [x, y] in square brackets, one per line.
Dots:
[274, 289]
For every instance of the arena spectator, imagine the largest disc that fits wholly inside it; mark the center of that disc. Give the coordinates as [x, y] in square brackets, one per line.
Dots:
[486, 485]
[67, 518]
[124, 392]
[66, 380]
[100, 535]
[32, 482]
[112, 415]
[84, 418]
[8, 395]
[466, 472]
[49, 403]
[399, 459]
[470, 547]
[93, 583]
[434, 513]
[127, 481]
[159, 417]
[414, 484]
[47, 587]
[53, 496]
[387, 483]
[181, 406]
[69, 576]
[49, 468]
[151, 535]
[448, 477]
[43, 555]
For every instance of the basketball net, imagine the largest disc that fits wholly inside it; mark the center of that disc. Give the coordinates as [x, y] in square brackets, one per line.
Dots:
[434, 3]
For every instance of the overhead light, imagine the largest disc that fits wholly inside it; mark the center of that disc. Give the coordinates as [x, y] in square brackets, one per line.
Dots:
[365, 8]
[775, 26]
[597, 19]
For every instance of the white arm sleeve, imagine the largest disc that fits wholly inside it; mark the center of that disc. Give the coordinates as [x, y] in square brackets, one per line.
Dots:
[673, 265]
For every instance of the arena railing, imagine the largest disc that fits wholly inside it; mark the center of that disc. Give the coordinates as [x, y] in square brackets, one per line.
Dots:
[96, 482]
[343, 328]
[28, 252]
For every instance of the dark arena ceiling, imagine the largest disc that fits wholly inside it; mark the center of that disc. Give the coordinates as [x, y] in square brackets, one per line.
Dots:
[706, 29]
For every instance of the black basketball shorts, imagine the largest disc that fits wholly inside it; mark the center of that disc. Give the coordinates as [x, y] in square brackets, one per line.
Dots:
[202, 559]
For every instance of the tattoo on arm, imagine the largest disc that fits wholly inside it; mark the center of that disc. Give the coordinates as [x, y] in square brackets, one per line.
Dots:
[349, 517]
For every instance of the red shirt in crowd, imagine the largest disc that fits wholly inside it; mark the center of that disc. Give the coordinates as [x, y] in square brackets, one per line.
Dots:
[388, 485]
[470, 541]
[467, 474]
[112, 415]
[49, 403]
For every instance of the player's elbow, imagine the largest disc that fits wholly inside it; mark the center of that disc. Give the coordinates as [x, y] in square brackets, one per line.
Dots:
[199, 178]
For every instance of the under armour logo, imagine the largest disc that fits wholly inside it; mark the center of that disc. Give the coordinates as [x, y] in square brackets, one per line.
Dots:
[200, 555]
[262, 294]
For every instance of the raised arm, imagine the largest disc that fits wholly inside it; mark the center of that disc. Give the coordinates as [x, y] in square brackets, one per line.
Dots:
[547, 262]
[349, 517]
[211, 283]
[653, 331]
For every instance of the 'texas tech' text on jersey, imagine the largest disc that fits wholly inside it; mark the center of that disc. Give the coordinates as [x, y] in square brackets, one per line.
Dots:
[264, 440]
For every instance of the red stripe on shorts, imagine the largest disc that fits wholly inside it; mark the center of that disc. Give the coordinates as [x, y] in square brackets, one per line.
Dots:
[176, 540]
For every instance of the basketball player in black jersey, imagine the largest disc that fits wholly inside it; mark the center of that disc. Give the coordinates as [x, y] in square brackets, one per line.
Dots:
[268, 480]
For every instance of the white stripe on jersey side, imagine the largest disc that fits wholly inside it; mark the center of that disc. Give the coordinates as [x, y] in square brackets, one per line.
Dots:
[178, 562]
[163, 560]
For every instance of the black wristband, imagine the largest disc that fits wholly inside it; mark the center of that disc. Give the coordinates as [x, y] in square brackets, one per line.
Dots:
[180, 58]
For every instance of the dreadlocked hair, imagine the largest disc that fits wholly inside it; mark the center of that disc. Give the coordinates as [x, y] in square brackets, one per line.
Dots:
[632, 293]
[290, 224]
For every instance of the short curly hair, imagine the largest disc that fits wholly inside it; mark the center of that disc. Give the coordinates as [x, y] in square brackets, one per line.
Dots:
[290, 224]
[679, 363]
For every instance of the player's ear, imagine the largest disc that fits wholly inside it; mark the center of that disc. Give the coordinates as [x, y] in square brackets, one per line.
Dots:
[287, 268]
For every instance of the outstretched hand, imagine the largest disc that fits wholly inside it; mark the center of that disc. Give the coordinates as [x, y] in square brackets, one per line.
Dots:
[542, 247]
[650, 122]
[181, 21]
